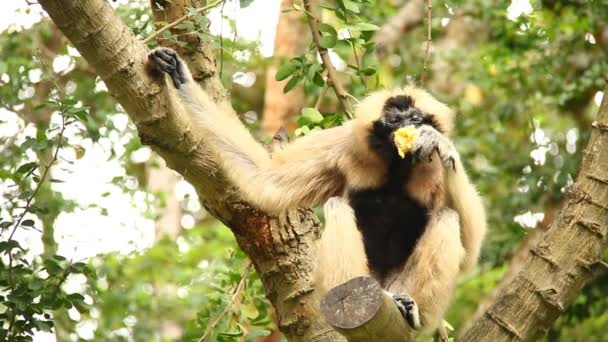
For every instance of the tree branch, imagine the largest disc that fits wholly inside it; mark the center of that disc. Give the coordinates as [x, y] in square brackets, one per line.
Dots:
[235, 294]
[561, 263]
[408, 17]
[281, 247]
[313, 21]
[429, 16]
[178, 21]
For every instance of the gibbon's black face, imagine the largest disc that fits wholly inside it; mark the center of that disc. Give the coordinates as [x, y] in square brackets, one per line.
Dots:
[398, 111]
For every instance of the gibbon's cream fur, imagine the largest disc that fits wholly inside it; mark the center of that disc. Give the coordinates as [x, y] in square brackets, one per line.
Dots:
[414, 223]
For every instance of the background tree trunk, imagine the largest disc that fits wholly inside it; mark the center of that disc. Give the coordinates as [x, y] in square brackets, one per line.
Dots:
[564, 259]
[291, 39]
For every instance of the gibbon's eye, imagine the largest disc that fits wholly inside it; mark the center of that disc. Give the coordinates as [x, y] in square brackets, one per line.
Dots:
[393, 119]
[416, 119]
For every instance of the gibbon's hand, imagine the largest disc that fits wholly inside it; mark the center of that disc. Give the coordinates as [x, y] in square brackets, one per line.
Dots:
[165, 61]
[430, 140]
[408, 308]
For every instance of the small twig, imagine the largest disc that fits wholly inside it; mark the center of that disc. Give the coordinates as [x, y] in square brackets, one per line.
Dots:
[313, 21]
[429, 8]
[178, 21]
[322, 93]
[352, 44]
[408, 17]
[222, 38]
[237, 291]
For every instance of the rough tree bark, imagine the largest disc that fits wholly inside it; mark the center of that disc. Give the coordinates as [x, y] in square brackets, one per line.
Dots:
[565, 258]
[518, 259]
[281, 247]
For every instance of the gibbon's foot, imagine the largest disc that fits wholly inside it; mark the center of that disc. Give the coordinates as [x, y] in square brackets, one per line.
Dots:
[408, 309]
[166, 61]
[430, 140]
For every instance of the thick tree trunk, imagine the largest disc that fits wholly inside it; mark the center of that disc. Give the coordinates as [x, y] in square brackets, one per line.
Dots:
[518, 260]
[564, 259]
[281, 247]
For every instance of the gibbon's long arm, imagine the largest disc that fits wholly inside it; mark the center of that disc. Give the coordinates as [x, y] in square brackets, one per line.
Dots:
[465, 199]
[297, 175]
[462, 195]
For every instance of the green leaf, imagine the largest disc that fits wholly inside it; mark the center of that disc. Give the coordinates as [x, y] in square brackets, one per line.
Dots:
[28, 223]
[292, 83]
[301, 131]
[368, 71]
[29, 142]
[82, 114]
[53, 267]
[326, 28]
[257, 334]
[447, 325]
[351, 6]
[231, 333]
[191, 12]
[27, 167]
[35, 284]
[285, 71]
[318, 79]
[363, 27]
[312, 115]
[245, 3]
[75, 298]
[7, 246]
[59, 257]
[329, 36]
[78, 267]
[328, 42]
[41, 145]
[188, 26]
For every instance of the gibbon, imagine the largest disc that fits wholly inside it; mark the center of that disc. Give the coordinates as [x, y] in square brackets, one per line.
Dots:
[412, 223]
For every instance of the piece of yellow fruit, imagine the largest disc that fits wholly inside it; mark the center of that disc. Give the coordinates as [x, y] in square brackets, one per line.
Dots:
[404, 139]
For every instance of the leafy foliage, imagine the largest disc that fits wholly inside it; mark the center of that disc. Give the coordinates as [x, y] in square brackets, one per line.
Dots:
[31, 288]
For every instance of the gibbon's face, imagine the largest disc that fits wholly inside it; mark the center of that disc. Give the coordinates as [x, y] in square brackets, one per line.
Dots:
[398, 111]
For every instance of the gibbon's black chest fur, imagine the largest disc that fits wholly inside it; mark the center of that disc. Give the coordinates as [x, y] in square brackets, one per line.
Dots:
[390, 221]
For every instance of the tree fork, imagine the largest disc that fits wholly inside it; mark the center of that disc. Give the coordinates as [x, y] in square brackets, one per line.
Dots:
[281, 247]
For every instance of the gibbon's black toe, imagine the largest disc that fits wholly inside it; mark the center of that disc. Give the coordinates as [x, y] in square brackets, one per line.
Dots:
[408, 309]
